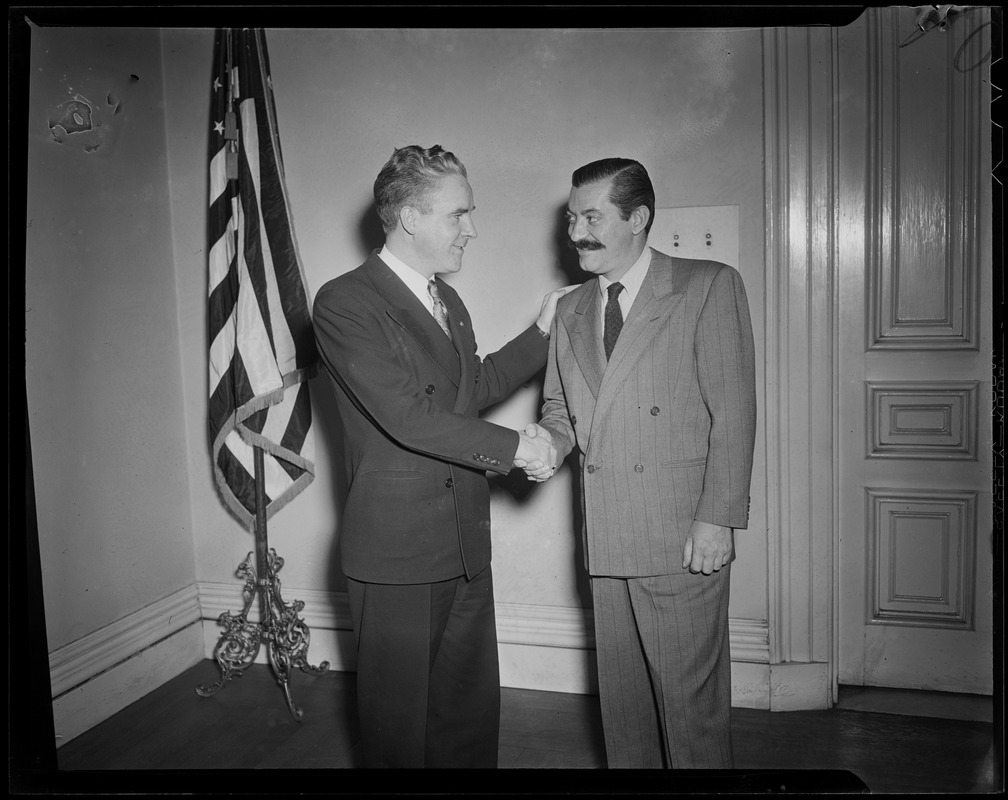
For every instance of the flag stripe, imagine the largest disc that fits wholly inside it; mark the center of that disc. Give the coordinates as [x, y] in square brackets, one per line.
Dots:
[223, 299]
[263, 375]
[295, 436]
[221, 353]
[218, 178]
[250, 241]
[237, 478]
[279, 225]
[221, 265]
[277, 481]
[262, 349]
[260, 265]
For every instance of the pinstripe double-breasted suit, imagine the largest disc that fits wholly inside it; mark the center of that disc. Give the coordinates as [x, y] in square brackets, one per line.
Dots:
[665, 431]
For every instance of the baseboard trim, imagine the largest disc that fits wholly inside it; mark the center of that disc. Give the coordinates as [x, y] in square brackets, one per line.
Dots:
[800, 686]
[91, 655]
[916, 703]
[545, 626]
[546, 648]
[111, 690]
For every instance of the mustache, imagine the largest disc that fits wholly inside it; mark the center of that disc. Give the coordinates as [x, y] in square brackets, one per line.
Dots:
[585, 244]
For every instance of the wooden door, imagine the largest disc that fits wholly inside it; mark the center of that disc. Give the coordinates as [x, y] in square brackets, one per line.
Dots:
[914, 354]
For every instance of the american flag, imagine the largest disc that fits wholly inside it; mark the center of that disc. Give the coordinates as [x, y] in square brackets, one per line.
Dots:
[262, 349]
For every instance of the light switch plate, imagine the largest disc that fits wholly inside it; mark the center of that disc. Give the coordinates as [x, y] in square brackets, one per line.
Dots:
[708, 232]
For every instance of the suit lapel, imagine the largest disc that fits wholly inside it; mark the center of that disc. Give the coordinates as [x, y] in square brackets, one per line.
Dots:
[463, 339]
[586, 342]
[409, 314]
[657, 299]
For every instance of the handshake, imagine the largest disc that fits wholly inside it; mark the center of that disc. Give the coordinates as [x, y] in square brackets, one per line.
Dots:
[536, 453]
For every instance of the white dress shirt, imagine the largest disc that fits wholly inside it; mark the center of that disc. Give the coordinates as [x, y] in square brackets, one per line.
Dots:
[631, 285]
[416, 282]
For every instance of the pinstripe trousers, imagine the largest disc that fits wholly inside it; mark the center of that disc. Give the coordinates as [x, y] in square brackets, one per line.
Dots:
[664, 670]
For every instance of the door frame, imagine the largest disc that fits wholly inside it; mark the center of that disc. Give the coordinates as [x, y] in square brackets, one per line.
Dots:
[800, 150]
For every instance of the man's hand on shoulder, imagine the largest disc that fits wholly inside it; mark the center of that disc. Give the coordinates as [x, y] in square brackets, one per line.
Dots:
[549, 305]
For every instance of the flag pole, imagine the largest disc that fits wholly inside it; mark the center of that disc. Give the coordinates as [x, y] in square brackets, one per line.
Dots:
[286, 634]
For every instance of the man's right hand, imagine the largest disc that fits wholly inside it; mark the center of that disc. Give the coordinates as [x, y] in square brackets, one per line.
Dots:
[548, 309]
[536, 454]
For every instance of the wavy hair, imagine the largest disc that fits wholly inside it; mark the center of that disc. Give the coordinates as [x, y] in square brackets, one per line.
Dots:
[409, 178]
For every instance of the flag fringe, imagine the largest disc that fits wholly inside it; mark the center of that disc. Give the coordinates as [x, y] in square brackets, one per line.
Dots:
[254, 439]
[236, 508]
[257, 404]
[231, 501]
[221, 484]
[242, 513]
[293, 491]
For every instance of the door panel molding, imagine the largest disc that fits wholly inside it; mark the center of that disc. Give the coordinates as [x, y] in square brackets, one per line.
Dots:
[922, 291]
[921, 419]
[921, 551]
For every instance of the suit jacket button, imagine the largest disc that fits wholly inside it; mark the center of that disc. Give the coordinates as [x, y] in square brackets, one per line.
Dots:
[430, 388]
[639, 468]
[591, 469]
[573, 420]
[476, 456]
[448, 483]
[655, 411]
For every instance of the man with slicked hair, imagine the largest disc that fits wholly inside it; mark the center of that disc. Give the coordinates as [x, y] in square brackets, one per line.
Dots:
[651, 376]
[399, 348]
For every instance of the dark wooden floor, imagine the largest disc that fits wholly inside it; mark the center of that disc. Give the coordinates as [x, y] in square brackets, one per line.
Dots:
[174, 740]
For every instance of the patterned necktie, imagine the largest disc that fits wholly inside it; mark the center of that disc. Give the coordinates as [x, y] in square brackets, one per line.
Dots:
[613, 319]
[440, 314]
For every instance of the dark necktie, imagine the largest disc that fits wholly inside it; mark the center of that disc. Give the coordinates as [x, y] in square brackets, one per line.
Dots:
[440, 313]
[613, 319]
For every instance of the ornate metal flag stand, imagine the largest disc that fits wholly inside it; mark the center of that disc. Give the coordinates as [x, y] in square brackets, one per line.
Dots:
[286, 634]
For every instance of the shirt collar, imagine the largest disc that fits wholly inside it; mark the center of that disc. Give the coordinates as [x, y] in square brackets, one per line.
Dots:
[416, 282]
[633, 278]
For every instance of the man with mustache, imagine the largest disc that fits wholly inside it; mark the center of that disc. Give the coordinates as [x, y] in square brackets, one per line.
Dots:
[651, 375]
[399, 348]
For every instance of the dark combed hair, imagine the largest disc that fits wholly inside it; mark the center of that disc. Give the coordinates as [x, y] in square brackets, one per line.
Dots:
[631, 186]
[408, 179]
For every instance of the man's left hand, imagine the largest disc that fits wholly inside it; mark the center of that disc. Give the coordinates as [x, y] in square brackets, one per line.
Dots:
[708, 547]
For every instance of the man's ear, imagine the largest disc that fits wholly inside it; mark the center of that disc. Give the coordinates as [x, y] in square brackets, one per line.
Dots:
[407, 219]
[639, 219]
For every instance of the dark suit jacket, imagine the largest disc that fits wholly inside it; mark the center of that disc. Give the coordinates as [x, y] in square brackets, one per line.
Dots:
[666, 427]
[418, 506]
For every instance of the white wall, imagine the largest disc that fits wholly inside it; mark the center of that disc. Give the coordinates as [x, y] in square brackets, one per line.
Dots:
[103, 363]
[102, 345]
